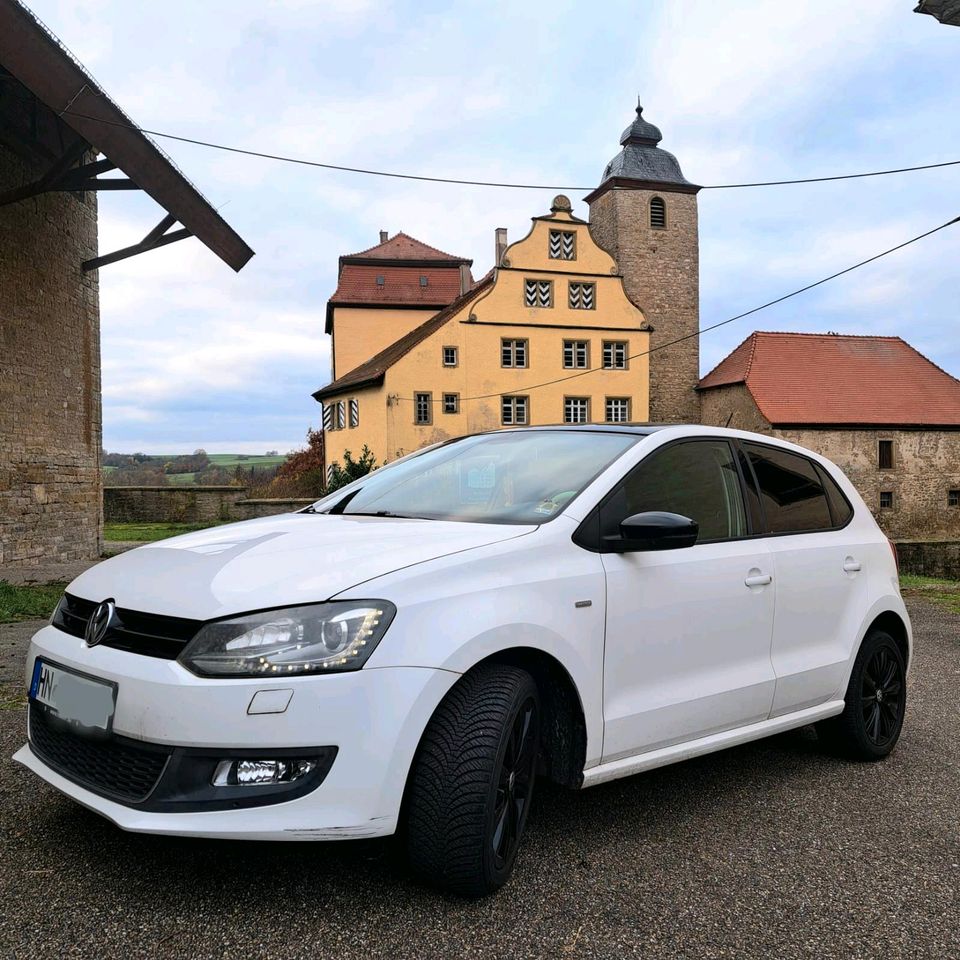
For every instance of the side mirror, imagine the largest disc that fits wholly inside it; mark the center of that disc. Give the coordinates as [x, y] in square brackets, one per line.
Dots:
[653, 530]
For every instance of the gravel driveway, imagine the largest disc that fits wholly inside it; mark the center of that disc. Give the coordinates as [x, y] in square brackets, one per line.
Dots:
[767, 850]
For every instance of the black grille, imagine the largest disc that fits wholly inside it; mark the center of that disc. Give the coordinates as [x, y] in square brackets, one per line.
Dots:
[112, 766]
[148, 634]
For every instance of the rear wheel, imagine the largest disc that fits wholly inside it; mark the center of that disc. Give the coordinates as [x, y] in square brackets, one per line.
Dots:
[869, 727]
[472, 781]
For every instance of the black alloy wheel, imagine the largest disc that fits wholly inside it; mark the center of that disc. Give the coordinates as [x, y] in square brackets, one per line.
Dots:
[875, 702]
[882, 697]
[515, 784]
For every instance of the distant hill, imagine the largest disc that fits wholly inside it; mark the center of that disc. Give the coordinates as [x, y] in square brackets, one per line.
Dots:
[223, 461]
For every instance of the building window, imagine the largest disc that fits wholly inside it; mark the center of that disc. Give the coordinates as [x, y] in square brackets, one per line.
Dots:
[575, 354]
[618, 410]
[583, 296]
[423, 408]
[423, 281]
[886, 499]
[615, 355]
[330, 471]
[328, 416]
[576, 410]
[953, 498]
[380, 280]
[538, 293]
[341, 414]
[451, 403]
[885, 454]
[563, 245]
[354, 412]
[513, 353]
[514, 410]
[449, 356]
[658, 213]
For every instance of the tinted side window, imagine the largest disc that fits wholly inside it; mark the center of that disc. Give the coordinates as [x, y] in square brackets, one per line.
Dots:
[839, 504]
[792, 495]
[696, 478]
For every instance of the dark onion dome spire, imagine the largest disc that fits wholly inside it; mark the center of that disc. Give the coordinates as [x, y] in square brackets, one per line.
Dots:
[641, 159]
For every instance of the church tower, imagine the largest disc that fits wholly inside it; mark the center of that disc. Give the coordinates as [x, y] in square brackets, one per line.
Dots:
[644, 213]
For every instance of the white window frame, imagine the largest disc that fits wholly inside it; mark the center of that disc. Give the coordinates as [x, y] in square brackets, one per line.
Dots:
[610, 349]
[623, 405]
[576, 354]
[422, 403]
[576, 409]
[455, 353]
[514, 410]
[512, 349]
[456, 403]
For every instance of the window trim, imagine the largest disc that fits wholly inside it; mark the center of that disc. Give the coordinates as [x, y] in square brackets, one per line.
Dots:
[886, 506]
[456, 403]
[627, 400]
[953, 494]
[626, 354]
[581, 283]
[663, 203]
[573, 234]
[443, 355]
[429, 395]
[893, 459]
[568, 397]
[516, 396]
[513, 353]
[538, 305]
[586, 354]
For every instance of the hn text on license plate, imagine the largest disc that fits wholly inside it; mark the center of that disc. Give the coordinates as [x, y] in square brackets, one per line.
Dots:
[73, 697]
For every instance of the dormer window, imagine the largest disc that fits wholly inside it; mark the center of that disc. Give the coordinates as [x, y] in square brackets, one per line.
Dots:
[563, 245]
[423, 281]
[658, 213]
[380, 280]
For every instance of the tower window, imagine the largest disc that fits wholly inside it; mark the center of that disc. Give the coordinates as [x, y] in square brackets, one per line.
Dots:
[513, 411]
[614, 355]
[886, 499]
[658, 213]
[576, 409]
[582, 296]
[563, 245]
[423, 408]
[885, 454]
[538, 293]
[513, 353]
[618, 409]
[575, 354]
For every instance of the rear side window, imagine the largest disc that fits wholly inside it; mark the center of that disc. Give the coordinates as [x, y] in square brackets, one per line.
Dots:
[839, 505]
[696, 479]
[791, 491]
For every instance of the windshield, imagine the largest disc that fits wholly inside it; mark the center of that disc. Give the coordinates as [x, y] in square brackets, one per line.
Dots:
[524, 476]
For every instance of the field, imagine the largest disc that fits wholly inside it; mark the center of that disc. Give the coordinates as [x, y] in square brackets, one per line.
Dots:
[227, 461]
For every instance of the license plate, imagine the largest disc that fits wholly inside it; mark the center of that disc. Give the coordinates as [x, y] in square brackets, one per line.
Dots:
[75, 698]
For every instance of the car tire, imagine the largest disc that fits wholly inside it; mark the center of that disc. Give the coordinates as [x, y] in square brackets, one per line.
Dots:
[472, 781]
[876, 699]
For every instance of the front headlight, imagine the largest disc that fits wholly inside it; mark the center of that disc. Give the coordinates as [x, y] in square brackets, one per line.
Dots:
[292, 641]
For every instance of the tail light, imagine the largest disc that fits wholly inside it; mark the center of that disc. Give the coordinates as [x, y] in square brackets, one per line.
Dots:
[896, 558]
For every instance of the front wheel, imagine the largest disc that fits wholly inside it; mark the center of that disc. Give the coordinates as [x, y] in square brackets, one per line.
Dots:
[472, 781]
[876, 700]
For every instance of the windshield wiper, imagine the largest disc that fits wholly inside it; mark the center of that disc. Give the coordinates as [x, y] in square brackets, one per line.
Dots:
[382, 513]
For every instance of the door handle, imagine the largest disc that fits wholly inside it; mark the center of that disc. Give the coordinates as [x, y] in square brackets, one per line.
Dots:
[851, 566]
[758, 579]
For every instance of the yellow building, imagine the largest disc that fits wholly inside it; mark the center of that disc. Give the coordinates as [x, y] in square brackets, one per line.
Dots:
[548, 336]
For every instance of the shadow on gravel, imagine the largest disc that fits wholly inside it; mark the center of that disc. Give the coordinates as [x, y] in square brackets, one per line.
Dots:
[188, 873]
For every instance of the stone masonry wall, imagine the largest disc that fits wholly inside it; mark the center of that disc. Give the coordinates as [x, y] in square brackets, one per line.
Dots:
[189, 504]
[50, 426]
[926, 465]
[661, 274]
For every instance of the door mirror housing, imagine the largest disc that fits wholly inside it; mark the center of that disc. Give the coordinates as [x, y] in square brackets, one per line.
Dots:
[653, 530]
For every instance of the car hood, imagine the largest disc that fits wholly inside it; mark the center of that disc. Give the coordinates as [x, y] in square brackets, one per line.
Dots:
[274, 561]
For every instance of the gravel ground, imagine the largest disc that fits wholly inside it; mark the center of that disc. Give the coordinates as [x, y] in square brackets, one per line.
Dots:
[768, 850]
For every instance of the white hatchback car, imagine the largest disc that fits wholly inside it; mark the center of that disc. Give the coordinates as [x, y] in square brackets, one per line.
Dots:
[580, 603]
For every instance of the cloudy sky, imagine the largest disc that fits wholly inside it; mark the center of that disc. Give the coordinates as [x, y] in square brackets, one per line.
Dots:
[195, 355]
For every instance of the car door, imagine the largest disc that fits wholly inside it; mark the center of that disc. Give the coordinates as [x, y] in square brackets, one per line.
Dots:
[688, 631]
[820, 576]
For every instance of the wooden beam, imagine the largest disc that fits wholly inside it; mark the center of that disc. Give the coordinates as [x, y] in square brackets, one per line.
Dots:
[157, 237]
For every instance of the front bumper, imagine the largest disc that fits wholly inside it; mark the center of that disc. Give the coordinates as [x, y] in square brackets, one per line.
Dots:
[374, 718]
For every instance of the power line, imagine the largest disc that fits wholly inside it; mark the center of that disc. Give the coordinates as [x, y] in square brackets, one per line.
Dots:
[714, 326]
[487, 183]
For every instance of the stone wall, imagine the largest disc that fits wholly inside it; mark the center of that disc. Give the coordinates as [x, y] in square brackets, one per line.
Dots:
[189, 504]
[926, 464]
[661, 275]
[49, 374]
[930, 558]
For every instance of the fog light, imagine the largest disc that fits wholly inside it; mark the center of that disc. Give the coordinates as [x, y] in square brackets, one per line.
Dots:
[243, 773]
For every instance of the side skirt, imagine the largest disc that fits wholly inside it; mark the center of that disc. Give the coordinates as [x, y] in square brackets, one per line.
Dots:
[627, 766]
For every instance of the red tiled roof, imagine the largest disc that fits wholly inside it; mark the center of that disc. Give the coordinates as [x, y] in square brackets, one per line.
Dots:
[401, 285]
[404, 247]
[813, 378]
[371, 372]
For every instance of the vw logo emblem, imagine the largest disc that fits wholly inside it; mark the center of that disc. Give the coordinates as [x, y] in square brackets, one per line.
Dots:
[99, 623]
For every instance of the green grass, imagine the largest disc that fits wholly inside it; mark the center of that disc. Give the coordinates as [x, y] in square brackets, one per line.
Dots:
[149, 532]
[944, 592]
[34, 602]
